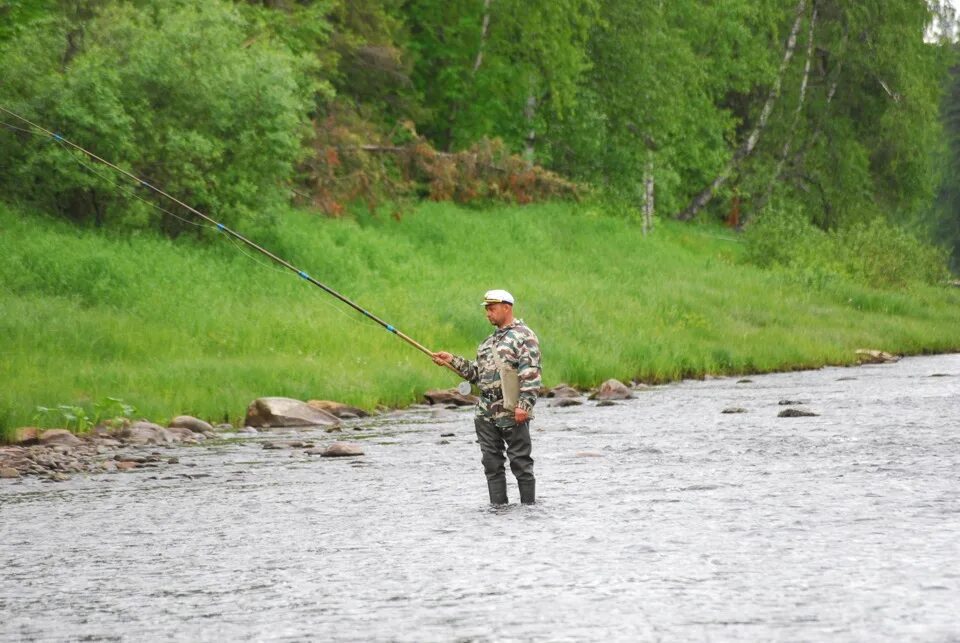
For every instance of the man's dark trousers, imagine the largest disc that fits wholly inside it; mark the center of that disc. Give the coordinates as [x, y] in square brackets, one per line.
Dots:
[516, 437]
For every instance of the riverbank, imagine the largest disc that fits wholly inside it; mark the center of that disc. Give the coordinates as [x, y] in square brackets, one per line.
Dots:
[95, 322]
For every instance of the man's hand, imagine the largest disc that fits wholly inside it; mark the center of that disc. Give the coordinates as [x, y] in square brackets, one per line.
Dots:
[442, 358]
[520, 415]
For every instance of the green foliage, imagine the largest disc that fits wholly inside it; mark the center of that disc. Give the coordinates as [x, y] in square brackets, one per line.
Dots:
[204, 329]
[176, 95]
[109, 411]
[874, 253]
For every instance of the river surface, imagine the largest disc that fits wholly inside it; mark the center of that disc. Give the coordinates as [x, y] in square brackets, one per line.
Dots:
[660, 518]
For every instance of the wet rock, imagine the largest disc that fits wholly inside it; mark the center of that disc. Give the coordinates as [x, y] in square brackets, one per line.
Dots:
[247, 430]
[612, 390]
[606, 403]
[279, 412]
[272, 445]
[126, 465]
[796, 413]
[337, 429]
[143, 433]
[790, 402]
[9, 473]
[109, 466]
[314, 451]
[565, 402]
[940, 375]
[189, 422]
[563, 391]
[223, 426]
[846, 379]
[58, 477]
[341, 449]
[734, 409]
[450, 396]
[59, 436]
[342, 411]
[745, 381]
[447, 435]
[26, 434]
[873, 356]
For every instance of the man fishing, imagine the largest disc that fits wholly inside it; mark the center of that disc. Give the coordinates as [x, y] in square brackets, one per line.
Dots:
[507, 372]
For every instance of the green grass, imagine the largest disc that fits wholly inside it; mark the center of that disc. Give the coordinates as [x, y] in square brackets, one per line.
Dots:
[177, 326]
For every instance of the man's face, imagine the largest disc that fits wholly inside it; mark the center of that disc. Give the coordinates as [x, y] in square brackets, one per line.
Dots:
[497, 313]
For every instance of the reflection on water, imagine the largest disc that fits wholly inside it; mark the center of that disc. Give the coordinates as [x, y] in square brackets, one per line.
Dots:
[658, 518]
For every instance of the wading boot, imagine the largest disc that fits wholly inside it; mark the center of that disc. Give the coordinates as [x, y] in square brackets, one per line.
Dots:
[528, 492]
[498, 491]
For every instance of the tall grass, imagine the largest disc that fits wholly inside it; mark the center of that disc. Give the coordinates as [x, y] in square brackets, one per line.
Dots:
[178, 326]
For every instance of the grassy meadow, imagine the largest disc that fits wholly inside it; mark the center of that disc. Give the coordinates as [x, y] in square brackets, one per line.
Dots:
[183, 326]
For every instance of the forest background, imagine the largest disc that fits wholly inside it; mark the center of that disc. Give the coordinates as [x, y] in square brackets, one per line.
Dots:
[788, 146]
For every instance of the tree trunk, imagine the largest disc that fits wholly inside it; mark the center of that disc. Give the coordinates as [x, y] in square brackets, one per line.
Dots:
[484, 30]
[648, 194]
[748, 146]
[529, 112]
[796, 114]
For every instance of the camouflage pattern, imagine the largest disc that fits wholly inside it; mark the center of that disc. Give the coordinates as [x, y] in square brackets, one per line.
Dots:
[518, 347]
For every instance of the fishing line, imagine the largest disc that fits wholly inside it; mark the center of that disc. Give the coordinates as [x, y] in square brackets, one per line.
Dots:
[229, 232]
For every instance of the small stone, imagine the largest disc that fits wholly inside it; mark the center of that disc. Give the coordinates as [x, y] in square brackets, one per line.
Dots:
[745, 381]
[606, 403]
[173, 460]
[447, 435]
[189, 422]
[335, 429]
[60, 436]
[613, 390]
[796, 413]
[564, 402]
[9, 472]
[271, 445]
[734, 409]
[790, 402]
[58, 477]
[126, 465]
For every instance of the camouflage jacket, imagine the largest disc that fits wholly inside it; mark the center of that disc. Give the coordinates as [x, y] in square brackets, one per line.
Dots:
[517, 346]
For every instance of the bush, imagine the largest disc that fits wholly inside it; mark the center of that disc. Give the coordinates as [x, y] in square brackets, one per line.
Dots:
[876, 253]
[176, 95]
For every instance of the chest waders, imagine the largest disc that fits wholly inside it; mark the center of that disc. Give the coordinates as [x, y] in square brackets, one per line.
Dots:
[518, 444]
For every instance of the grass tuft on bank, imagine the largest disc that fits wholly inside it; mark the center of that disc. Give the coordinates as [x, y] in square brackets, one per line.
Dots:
[183, 326]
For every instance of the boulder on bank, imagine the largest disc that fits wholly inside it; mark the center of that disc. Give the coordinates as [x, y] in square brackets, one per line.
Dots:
[147, 433]
[26, 434]
[278, 412]
[189, 422]
[873, 356]
[450, 396]
[342, 411]
[613, 390]
[61, 437]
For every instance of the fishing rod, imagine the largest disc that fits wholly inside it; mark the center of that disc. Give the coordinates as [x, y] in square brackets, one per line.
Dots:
[236, 235]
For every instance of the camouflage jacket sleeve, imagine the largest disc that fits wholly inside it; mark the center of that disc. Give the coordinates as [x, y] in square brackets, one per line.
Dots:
[468, 370]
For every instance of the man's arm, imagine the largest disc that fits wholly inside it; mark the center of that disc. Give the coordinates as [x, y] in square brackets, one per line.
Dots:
[468, 370]
[529, 371]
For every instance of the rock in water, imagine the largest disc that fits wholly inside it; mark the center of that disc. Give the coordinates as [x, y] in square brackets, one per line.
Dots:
[563, 391]
[277, 412]
[341, 449]
[734, 409]
[796, 413]
[613, 390]
[566, 401]
[451, 396]
[147, 433]
[9, 472]
[342, 411]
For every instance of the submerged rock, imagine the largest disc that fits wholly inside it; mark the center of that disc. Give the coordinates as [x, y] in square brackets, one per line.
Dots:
[565, 402]
[276, 412]
[341, 449]
[450, 396]
[796, 413]
[734, 409]
[790, 402]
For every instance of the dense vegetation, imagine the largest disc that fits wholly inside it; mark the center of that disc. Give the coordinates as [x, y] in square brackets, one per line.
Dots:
[825, 134]
[182, 326]
[731, 109]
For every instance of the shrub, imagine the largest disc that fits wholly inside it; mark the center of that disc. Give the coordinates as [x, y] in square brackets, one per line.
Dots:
[175, 95]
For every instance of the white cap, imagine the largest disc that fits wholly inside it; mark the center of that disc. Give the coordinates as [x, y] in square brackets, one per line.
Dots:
[497, 297]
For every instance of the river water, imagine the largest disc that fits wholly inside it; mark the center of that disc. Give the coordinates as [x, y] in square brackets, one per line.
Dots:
[660, 518]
